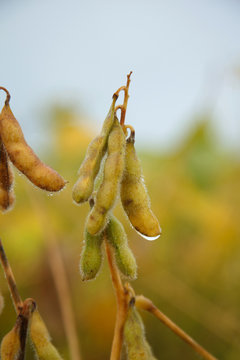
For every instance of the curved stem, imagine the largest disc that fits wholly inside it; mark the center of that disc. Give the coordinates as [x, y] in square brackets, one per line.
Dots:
[122, 306]
[125, 101]
[17, 301]
[132, 135]
[8, 97]
[122, 88]
[119, 107]
[144, 303]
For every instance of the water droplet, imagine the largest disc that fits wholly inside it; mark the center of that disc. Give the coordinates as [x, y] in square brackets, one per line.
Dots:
[149, 238]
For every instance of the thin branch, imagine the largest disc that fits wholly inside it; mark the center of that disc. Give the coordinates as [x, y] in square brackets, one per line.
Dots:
[125, 101]
[144, 303]
[17, 301]
[23, 309]
[122, 296]
[7, 93]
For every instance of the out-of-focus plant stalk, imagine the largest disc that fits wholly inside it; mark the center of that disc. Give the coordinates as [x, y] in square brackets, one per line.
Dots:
[145, 304]
[59, 275]
[17, 301]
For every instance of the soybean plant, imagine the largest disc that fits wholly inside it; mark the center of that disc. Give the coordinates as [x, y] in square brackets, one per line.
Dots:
[120, 174]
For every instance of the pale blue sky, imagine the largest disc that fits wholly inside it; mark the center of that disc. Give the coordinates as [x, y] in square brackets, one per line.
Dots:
[182, 54]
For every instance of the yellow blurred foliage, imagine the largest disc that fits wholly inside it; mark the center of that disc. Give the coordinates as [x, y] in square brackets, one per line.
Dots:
[195, 194]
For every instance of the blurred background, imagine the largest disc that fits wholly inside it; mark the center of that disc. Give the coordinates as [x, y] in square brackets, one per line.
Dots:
[61, 62]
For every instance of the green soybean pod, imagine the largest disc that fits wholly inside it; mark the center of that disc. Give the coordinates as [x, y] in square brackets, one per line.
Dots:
[89, 169]
[124, 257]
[134, 196]
[91, 257]
[134, 335]
[41, 339]
[112, 175]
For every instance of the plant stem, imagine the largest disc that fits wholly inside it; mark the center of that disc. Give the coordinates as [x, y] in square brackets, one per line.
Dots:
[7, 93]
[122, 305]
[29, 305]
[144, 303]
[125, 101]
[17, 301]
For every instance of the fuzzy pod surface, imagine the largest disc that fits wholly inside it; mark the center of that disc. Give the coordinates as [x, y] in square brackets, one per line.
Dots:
[89, 169]
[124, 257]
[10, 345]
[41, 339]
[134, 196]
[91, 257]
[22, 155]
[112, 175]
[134, 335]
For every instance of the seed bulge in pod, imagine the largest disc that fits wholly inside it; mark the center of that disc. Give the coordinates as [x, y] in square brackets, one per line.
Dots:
[112, 175]
[23, 157]
[124, 257]
[91, 257]
[89, 169]
[134, 196]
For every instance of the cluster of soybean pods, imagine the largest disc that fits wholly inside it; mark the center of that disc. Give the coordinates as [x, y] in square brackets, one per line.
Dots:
[111, 169]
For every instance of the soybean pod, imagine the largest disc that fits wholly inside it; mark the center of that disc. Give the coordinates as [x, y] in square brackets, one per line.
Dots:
[91, 257]
[23, 157]
[112, 175]
[89, 169]
[134, 196]
[6, 180]
[10, 345]
[134, 335]
[41, 339]
[124, 257]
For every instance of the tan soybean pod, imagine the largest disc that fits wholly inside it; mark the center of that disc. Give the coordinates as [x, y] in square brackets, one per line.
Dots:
[10, 345]
[124, 257]
[89, 169]
[134, 196]
[91, 257]
[6, 180]
[41, 339]
[134, 335]
[23, 157]
[112, 175]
